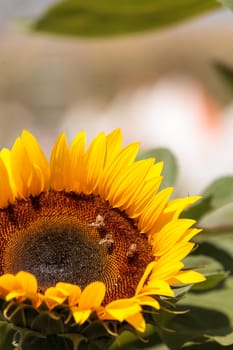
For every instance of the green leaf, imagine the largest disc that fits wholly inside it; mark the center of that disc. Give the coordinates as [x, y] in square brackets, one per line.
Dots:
[215, 196]
[210, 318]
[198, 210]
[212, 281]
[91, 18]
[219, 248]
[180, 292]
[209, 267]
[221, 191]
[207, 346]
[227, 3]
[170, 168]
[202, 263]
[128, 340]
[224, 340]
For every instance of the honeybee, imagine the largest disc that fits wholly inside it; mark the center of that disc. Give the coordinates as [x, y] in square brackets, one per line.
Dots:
[108, 240]
[131, 251]
[99, 222]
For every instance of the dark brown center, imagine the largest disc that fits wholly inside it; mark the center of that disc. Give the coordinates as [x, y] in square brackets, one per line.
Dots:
[73, 238]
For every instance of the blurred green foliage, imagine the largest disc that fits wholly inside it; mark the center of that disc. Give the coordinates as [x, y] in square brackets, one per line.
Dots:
[226, 72]
[170, 166]
[227, 3]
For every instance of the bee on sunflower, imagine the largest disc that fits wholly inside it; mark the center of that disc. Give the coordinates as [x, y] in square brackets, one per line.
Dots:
[87, 240]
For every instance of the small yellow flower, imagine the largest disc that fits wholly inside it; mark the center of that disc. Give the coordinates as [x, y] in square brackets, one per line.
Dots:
[90, 231]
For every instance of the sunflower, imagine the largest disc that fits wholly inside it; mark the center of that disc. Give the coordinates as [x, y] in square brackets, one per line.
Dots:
[88, 235]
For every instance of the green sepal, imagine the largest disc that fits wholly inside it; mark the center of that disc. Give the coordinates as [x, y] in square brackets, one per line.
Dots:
[20, 314]
[46, 323]
[24, 315]
[75, 339]
[32, 341]
[6, 335]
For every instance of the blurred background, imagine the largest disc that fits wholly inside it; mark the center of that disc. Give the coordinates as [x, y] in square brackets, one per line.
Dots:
[161, 88]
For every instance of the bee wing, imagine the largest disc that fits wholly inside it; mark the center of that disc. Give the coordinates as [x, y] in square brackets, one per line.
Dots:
[102, 241]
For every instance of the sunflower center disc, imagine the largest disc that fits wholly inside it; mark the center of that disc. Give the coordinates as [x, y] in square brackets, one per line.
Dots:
[68, 260]
[73, 238]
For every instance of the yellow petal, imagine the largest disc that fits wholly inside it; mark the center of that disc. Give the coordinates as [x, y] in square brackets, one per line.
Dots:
[123, 308]
[8, 282]
[21, 295]
[113, 169]
[189, 234]
[137, 321]
[77, 147]
[21, 169]
[146, 300]
[155, 171]
[164, 240]
[179, 251]
[71, 291]
[14, 295]
[29, 177]
[90, 300]
[137, 205]
[172, 211]
[7, 190]
[189, 277]
[92, 296]
[180, 204]
[129, 184]
[81, 316]
[113, 145]
[60, 164]
[95, 159]
[153, 210]
[157, 287]
[36, 156]
[77, 162]
[164, 270]
[27, 281]
[54, 297]
[147, 272]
